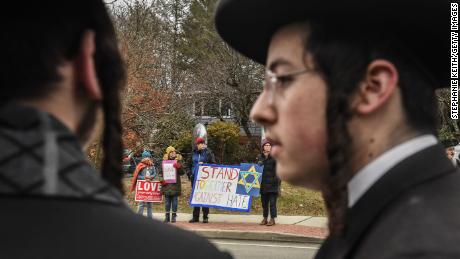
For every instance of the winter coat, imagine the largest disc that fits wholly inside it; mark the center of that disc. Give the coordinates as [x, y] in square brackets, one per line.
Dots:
[76, 214]
[270, 182]
[172, 189]
[412, 211]
[139, 173]
[456, 162]
[205, 156]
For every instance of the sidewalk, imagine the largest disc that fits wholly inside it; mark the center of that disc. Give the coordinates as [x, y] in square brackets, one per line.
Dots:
[303, 229]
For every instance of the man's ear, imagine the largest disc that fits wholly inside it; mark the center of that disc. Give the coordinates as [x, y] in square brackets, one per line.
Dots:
[86, 70]
[377, 86]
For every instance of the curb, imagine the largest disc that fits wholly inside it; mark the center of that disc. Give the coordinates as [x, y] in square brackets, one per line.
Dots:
[257, 236]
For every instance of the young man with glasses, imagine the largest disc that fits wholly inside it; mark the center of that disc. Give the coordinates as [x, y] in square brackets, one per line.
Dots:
[349, 107]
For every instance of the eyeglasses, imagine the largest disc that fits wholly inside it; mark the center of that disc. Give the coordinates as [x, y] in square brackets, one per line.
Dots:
[274, 81]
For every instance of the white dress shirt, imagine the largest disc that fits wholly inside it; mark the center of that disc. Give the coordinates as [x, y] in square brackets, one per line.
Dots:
[369, 174]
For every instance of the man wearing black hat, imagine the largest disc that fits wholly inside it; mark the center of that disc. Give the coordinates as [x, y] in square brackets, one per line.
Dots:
[61, 70]
[349, 107]
[449, 146]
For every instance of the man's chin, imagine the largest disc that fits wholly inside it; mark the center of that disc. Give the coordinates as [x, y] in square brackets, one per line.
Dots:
[297, 178]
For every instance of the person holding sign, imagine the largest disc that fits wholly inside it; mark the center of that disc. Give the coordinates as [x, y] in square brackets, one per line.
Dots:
[144, 171]
[171, 186]
[270, 184]
[200, 155]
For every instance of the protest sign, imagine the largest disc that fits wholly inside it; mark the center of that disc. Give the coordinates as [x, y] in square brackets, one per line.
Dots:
[250, 179]
[169, 172]
[148, 191]
[215, 187]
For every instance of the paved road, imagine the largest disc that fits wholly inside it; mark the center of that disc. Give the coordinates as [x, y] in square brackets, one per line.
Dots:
[241, 249]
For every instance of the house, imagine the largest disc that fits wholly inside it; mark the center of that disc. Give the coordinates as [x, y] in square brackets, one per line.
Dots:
[206, 111]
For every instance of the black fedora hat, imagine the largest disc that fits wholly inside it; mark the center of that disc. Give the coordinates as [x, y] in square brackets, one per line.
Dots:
[423, 25]
[449, 143]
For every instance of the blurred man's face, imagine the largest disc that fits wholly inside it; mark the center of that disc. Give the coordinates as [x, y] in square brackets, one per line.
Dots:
[450, 152]
[200, 146]
[294, 117]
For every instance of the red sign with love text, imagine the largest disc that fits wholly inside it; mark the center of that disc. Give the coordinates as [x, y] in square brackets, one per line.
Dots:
[148, 191]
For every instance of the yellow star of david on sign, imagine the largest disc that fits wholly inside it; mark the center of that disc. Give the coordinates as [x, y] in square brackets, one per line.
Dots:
[249, 185]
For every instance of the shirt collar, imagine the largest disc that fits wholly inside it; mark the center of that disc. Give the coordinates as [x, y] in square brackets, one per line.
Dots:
[373, 171]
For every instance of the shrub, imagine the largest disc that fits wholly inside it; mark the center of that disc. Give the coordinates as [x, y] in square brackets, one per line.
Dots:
[223, 140]
[183, 143]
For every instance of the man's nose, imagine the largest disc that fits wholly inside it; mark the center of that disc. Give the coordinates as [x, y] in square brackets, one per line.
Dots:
[262, 111]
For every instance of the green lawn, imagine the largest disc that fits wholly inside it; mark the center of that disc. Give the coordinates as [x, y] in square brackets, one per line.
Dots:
[293, 201]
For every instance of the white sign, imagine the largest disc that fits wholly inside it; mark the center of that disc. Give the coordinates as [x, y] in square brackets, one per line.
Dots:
[215, 187]
[169, 171]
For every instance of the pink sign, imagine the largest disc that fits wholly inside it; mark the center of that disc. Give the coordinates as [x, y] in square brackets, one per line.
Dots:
[169, 171]
[148, 191]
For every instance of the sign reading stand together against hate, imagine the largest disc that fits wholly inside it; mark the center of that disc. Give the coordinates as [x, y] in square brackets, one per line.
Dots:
[223, 187]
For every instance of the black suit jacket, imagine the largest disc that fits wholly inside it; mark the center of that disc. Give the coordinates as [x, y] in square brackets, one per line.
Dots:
[413, 211]
[85, 229]
[54, 205]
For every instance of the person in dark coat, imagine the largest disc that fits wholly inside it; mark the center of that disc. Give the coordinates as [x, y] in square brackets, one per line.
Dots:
[61, 70]
[172, 191]
[270, 184]
[200, 155]
[449, 147]
[349, 107]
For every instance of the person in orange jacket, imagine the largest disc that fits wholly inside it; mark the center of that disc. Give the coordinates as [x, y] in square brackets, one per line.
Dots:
[144, 171]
